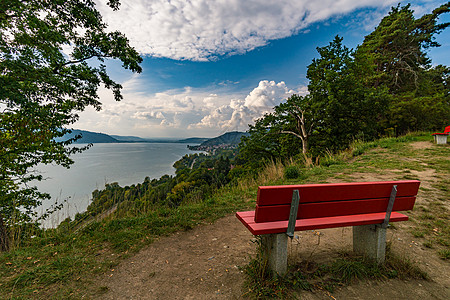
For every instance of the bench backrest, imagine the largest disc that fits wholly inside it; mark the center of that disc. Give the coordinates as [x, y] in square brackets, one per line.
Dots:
[447, 129]
[335, 199]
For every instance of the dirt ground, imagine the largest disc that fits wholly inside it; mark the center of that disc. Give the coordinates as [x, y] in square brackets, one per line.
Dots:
[203, 263]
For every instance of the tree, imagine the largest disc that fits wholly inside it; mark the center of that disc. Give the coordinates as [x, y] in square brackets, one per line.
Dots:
[260, 146]
[394, 52]
[394, 56]
[296, 118]
[343, 106]
[42, 90]
[280, 134]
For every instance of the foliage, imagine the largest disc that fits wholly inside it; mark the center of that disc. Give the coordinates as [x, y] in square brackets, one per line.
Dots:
[192, 183]
[343, 107]
[292, 172]
[42, 89]
[279, 135]
[393, 56]
[394, 51]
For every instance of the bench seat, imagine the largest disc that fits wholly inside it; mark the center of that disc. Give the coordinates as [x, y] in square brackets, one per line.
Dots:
[248, 219]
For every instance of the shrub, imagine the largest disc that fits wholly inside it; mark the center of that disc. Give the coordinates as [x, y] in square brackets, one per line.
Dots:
[292, 172]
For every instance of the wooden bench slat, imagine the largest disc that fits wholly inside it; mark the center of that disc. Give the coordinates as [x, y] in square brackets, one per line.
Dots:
[270, 213]
[247, 218]
[278, 195]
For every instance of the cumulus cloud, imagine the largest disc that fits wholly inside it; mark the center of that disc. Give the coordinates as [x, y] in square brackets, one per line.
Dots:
[206, 29]
[185, 112]
[237, 114]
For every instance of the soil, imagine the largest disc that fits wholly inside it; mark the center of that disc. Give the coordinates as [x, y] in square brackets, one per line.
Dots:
[203, 263]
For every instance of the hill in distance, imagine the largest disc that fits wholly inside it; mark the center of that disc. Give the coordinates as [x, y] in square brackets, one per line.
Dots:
[193, 140]
[97, 137]
[229, 138]
[129, 138]
[88, 137]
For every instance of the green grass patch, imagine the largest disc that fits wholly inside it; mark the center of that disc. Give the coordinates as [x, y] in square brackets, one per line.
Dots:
[444, 254]
[308, 275]
[62, 261]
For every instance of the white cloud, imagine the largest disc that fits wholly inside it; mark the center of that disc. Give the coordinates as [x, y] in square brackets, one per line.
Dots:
[239, 113]
[205, 29]
[186, 112]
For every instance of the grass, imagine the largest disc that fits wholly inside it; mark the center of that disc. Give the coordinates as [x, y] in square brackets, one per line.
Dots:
[310, 276]
[62, 262]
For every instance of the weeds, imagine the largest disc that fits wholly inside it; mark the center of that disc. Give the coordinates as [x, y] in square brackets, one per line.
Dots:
[444, 254]
[308, 275]
[260, 282]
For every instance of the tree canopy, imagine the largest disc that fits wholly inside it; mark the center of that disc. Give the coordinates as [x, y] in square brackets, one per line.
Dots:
[52, 62]
[394, 56]
[342, 105]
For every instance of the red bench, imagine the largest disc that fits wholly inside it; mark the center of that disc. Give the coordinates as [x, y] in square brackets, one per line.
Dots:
[367, 206]
[441, 138]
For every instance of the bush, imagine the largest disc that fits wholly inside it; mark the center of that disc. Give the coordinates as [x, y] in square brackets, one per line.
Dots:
[292, 172]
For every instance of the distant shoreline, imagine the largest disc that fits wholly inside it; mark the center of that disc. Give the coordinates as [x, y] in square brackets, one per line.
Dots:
[137, 142]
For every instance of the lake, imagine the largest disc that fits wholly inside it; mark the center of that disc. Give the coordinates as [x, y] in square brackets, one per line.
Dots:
[125, 163]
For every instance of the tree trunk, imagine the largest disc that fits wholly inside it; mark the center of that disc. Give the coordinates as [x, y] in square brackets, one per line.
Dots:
[305, 145]
[4, 239]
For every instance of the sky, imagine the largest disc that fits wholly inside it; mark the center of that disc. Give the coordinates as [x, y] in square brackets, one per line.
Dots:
[214, 66]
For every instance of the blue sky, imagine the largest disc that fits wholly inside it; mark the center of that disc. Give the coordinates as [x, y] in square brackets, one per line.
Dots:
[215, 66]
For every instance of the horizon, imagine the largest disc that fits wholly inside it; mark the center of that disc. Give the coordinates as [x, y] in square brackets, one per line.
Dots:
[211, 69]
[158, 137]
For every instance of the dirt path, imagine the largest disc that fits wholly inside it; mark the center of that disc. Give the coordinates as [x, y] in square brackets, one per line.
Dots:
[198, 264]
[203, 264]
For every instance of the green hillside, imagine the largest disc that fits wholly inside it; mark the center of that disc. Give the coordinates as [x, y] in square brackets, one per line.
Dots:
[62, 262]
[88, 137]
[193, 140]
[229, 138]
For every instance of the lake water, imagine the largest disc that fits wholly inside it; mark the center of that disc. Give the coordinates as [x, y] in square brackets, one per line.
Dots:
[125, 163]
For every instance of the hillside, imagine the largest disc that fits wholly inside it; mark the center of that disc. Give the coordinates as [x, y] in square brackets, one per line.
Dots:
[229, 138]
[88, 137]
[192, 250]
[207, 262]
[97, 137]
[193, 140]
[128, 138]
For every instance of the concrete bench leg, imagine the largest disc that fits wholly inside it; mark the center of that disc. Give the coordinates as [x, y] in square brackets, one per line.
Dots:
[275, 249]
[370, 241]
[440, 139]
